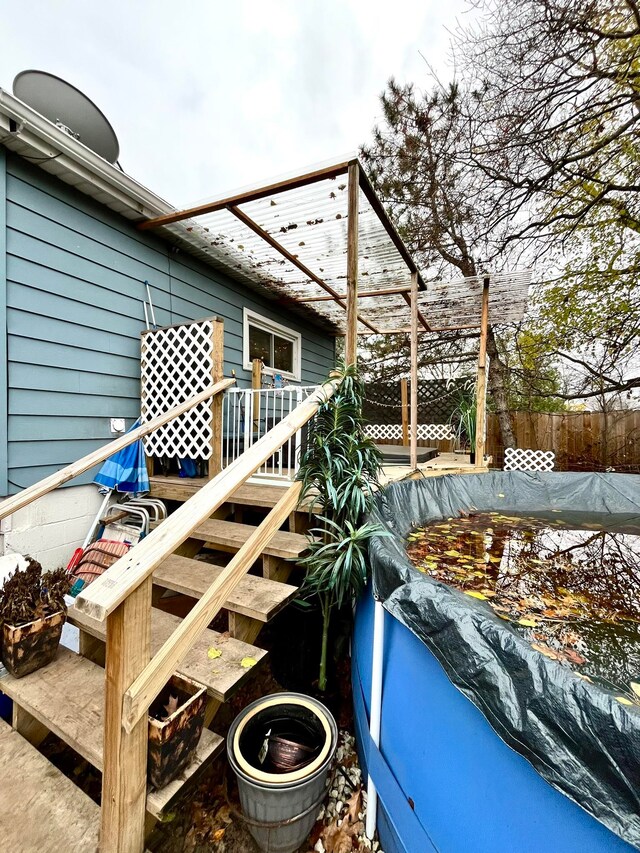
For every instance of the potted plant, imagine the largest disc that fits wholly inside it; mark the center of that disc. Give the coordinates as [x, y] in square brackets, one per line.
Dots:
[176, 720]
[339, 472]
[32, 612]
[463, 421]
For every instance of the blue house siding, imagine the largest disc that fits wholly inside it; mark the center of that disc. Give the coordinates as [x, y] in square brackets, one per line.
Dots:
[75, 277]
[3, 325]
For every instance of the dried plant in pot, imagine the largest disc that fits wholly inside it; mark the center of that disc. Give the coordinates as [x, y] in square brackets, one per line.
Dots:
[176, 720]
[32, 613]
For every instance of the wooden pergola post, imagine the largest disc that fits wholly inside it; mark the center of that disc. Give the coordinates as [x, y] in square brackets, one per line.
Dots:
[481, 385]
[351, 341]
[217, 374]
[404, 409]
[414, 371]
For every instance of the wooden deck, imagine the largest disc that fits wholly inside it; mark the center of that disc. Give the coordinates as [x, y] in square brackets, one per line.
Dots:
[266, 495]
[445, 463]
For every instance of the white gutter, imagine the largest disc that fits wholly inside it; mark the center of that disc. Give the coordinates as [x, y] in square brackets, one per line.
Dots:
[47, 140]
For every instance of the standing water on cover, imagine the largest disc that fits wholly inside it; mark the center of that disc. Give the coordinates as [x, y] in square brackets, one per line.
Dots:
[566, 582]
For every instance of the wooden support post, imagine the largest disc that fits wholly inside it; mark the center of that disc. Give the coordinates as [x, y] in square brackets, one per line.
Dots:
[26, 725]
[481, 385]
[256, 385]
[404, 410]
[91, 648]
[275, 568]
[414, 371]
[217, 374]
[243, 627]
[351, 341]
[124, 778]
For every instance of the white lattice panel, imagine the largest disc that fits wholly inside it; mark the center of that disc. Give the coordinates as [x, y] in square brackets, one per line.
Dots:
[435, 432]
[431, 432]
[377, 431]
[528, 460]
[176, 363]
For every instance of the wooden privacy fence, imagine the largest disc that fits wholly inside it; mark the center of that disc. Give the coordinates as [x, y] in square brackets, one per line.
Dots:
[582, 441]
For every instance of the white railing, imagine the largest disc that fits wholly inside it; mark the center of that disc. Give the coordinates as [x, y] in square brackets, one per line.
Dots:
[247, 415]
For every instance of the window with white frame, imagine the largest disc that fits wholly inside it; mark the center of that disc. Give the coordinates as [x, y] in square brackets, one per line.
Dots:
[277, 346]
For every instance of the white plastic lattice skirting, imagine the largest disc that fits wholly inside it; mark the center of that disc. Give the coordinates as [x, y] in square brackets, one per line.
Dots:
[528, 460]
[177, 363]
[433, 432]
[376, 431]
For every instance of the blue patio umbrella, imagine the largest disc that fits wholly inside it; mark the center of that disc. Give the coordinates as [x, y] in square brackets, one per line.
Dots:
[126, 470]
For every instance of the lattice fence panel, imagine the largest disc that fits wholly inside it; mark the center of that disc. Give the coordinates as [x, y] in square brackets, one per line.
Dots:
[516, 459]
[378, 431]
[429, 432]
[176, 363]
[437, 400]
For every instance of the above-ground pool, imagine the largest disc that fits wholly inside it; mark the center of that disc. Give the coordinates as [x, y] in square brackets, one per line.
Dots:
[486, 745]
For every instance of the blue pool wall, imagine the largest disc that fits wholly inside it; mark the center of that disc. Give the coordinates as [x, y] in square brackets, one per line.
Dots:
[471, 793]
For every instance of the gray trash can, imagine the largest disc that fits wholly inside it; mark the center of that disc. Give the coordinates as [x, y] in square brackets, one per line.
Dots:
[281, 807]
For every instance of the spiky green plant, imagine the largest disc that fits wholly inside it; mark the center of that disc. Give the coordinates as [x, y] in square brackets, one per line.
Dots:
[339, 472]
[463, 420]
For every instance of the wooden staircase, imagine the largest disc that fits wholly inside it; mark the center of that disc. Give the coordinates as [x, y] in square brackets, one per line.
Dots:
[102, 714]
[67, 697]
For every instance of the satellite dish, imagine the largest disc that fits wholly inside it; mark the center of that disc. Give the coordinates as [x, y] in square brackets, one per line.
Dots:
[69, 109]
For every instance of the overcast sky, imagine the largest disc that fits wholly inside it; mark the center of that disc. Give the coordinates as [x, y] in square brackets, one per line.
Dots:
[208, 96]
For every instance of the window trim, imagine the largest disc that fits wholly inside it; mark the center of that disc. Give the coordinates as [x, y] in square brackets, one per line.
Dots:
[251, 318]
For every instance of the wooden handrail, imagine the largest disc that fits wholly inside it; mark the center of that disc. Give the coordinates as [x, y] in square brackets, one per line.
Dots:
[156, 673]
[43, 487]
[108, 591]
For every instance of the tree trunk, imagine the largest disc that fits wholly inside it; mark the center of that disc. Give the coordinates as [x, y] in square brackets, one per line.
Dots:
[498, 391]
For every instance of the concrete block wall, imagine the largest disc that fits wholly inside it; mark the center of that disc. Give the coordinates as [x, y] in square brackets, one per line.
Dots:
[51, 528]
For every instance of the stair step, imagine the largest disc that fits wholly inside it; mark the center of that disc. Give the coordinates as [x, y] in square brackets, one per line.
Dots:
[255, 597]
[221, 676]
[41, 808]
[67, 697]
[228, 535]
[249, 494]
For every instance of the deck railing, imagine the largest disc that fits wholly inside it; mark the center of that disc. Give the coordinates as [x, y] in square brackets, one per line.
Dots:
[48, 484]
[248, 414]
[122, 597]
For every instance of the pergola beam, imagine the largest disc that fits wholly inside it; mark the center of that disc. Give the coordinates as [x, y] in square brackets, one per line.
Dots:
[396, 239]
[362, 294]
[247, 196]
[264, 235]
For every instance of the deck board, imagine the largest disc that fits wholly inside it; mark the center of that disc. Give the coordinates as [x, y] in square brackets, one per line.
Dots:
[255, 597]
[222, 676]
[40, 809]
[67, 697]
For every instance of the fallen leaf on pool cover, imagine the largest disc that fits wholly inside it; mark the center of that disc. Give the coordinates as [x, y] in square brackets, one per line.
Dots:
[475, 594]
[573, 657]
[546, 651]
[623, 700]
